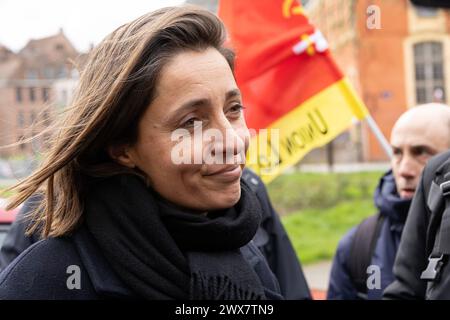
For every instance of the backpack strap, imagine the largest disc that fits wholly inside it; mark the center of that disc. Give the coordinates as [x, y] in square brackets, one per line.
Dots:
[362, 249]
[444, 234]
[439, 230]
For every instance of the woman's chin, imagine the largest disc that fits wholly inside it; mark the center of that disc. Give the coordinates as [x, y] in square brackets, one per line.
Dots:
[225, 199]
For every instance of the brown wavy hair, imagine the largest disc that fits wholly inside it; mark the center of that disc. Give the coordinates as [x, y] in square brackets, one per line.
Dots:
[116, 86]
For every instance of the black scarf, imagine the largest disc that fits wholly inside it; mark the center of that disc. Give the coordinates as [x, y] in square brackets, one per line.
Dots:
[161, 252]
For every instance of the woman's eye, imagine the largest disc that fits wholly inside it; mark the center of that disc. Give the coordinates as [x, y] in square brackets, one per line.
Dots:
[237, 108]
[190, 123]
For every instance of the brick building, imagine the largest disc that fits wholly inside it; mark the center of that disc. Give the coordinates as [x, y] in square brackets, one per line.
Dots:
[396, 55]
[402, 63]
[27, 91]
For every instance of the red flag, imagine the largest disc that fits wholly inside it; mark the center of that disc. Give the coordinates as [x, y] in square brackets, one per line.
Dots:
[286, 74]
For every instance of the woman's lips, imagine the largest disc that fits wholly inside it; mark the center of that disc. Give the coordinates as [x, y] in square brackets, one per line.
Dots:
[225, 172]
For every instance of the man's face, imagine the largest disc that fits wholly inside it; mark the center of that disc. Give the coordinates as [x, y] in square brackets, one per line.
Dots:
[413, 143]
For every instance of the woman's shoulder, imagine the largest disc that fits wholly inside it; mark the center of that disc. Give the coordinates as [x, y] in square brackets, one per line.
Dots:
[49, 269]
[258, 262]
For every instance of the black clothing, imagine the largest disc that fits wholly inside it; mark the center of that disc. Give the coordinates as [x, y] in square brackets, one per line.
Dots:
[163, 252]
[271, 239]
[420, 235]
[41, 271]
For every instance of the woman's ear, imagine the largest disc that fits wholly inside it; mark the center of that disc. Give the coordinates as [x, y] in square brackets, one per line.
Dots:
[122, 155]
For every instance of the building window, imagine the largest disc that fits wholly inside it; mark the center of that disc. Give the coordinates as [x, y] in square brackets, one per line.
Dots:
[429, 72]
[61, 72]
[426, 12]
[45, 94]
[31, 74]
[19, 94]
[22, 145]
[21, 119]
[33, 117]
[32, 94]
[49, 73]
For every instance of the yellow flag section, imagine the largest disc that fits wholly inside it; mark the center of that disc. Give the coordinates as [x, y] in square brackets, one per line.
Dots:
[312, 124]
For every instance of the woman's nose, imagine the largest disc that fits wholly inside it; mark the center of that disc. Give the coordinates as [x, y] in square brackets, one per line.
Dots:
[229, 144]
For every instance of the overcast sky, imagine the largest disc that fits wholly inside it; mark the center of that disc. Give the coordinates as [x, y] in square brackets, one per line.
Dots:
[83, 21]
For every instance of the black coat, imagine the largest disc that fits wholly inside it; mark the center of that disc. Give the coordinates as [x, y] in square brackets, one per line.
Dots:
[271, 239]
[16, 241]
[413, 253]
[46, 271]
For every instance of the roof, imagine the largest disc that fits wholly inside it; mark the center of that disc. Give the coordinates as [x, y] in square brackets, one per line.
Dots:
[9, 62]
[5, 53]
[9, 67]
[55, 48]
[43, 58]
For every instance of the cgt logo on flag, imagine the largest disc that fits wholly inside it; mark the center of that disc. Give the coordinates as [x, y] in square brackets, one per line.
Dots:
[291, 7]
[311, 44]
[289, 82]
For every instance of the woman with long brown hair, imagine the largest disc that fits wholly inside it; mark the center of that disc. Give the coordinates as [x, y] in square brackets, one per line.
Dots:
[132, 205]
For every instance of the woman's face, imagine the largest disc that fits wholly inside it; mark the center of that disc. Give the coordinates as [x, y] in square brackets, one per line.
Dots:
[193, 138]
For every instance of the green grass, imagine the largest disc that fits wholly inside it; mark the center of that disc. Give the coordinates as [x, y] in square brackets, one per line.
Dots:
[318, 209]
[315, 233]
[298, 191]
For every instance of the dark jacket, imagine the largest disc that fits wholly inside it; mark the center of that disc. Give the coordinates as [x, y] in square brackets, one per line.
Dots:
[271, 239]
[46, 269]
[16, 241]
[418, 241]
[394, 209]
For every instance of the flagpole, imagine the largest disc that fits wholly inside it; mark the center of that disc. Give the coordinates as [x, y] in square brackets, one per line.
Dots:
[379, 135]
